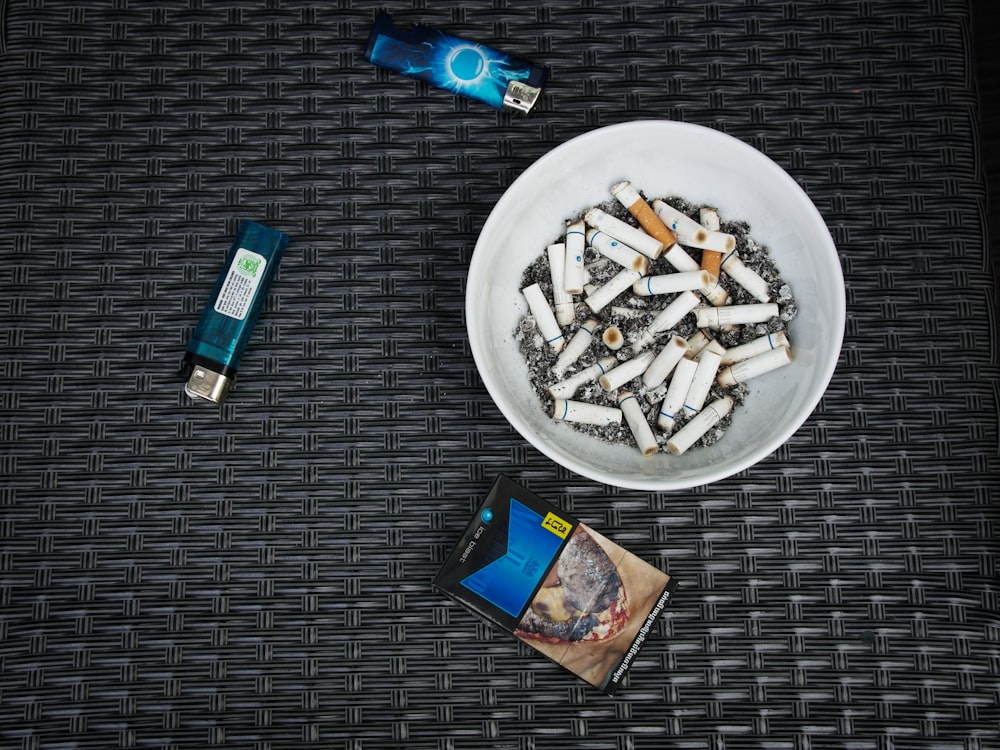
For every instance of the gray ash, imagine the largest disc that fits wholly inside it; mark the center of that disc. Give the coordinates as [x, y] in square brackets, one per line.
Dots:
[540, 358]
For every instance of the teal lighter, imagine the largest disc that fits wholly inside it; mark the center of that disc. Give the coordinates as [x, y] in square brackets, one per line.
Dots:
[217, 345]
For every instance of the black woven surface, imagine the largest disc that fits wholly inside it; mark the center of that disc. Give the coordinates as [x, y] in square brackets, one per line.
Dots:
[175, 575]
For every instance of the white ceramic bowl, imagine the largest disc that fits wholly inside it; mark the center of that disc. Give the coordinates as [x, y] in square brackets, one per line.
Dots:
[661, 158]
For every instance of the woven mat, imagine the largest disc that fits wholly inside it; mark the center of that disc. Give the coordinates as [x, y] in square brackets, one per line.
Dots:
[180, 576]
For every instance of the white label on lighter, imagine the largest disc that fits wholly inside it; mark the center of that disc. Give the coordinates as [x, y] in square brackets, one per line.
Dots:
[240, 287]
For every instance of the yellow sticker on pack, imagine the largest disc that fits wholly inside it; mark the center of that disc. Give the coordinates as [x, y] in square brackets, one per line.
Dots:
[556, 525]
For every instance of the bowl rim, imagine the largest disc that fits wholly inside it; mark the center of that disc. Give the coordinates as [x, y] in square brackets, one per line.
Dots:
[655, 483]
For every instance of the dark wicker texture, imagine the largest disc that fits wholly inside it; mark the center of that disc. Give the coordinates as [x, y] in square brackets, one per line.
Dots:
[180, 576]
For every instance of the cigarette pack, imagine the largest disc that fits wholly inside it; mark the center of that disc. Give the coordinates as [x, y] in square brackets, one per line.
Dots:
[556, 584]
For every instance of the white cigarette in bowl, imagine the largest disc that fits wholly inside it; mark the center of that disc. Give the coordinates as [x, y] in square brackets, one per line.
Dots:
[604, 295]
[664, 362]
[705, 420]
[562, 300]
[625, 372]
[613, 338]
[751, 368]
[701, 383]
[546, 321]
[671, 283]
[746, 277]
[689, 232]
[617, 251]
[673, 402]
[765, 343]
[679, 259]
[632, 236]
[576, 347]
[644, 437]
[670, 316]
[573, 268]
[731, 315]
[634, 203]
[567, 388]
[584, 413]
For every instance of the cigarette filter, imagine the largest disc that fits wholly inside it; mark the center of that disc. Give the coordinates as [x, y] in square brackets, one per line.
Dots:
[673, 403]
[758, 365]
[568, 410]
[217, 345]
[670, 283]
[603, 296]
[565, 309]
[455, 64]
[667, 318]
[664, 362]
[544, 317]
[701, 423]
[701, 383]
[690, 232]
[767, 342]
[637, 423]
[720, 317]
[632, 236]
[568, 387]
[576, 347]
[613, 338]
[625, 372]
[746, 277]
[556, 585]
[617, 251]
[573, 272]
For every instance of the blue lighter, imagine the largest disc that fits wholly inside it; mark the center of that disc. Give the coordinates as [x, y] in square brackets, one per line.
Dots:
[455, 64]
[218, 343]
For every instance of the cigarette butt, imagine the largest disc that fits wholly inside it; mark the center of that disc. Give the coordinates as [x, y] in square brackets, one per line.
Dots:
[573, 268]
[720, 317]
[636, 420]
[617, 251]
[765, 343]
[625, 372]
[671, 283]
[670, 316]
[613, 338]
[689, 232]
[696, 428]
[544, 317]
[673, 403]
[751, 368]
[701, 383]
[567, 388]
[634, 237]
[584, 413]
[629, 197]
[664, 362]
[576, 347]
[599, 298]
[746, 277]
[561, 299]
